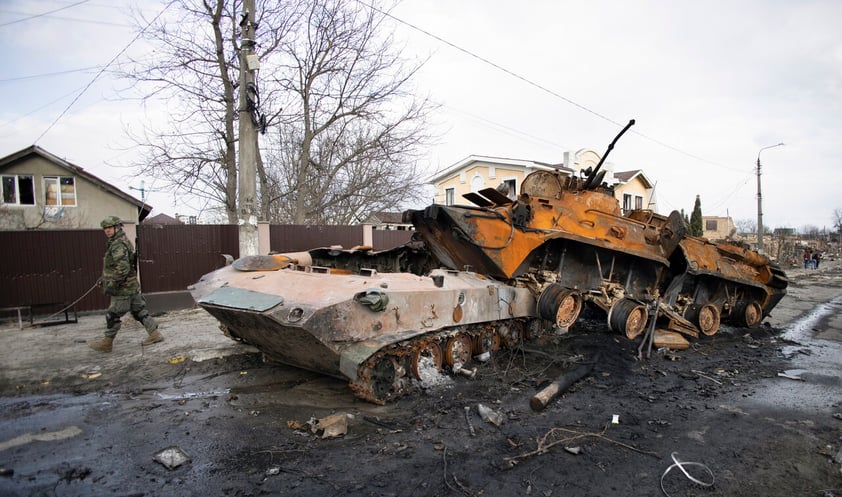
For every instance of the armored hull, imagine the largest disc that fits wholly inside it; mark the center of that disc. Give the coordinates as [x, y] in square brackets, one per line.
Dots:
[379, 331]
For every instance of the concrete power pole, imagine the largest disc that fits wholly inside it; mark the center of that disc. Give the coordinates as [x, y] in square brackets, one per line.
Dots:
[247, 167]
[760, 200]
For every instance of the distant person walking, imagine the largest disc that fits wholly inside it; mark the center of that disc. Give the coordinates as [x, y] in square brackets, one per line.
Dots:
[808, 258]
[817, 257]
[119, 280]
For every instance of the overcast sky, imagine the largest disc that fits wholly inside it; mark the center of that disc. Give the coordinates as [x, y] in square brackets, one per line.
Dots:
[709, 84]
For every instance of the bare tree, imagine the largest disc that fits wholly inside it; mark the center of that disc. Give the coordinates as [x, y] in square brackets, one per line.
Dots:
[345, 131]
[810, 230]
[194, 69]
[351, 132]
[746, 226]
[837, 220]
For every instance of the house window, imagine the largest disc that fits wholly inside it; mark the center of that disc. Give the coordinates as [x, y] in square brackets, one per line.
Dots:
[477, 183]
[512, 184]
[18, 190]
[59, 190]
[627, 202]
[449, 194]
[710, 225]
[638, 202]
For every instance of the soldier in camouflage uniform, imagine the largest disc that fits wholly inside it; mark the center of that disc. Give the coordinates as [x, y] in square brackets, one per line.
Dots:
[119, 280]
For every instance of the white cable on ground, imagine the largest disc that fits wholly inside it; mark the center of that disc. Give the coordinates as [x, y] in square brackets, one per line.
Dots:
[681, 465]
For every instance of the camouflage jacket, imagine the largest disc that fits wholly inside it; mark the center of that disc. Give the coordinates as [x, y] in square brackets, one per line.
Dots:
[119, 267]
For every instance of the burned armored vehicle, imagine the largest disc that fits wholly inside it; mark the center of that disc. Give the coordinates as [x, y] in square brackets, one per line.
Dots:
[484, 276]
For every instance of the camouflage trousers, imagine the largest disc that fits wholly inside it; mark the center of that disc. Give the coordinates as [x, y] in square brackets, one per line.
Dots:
[120, 306]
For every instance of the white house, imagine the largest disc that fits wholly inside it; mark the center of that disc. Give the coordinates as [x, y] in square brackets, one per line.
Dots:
[631, 188]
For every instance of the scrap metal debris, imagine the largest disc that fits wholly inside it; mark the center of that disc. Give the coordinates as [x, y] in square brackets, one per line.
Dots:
[171, 457]
[490, 415]
[793, 374]
[335, 425]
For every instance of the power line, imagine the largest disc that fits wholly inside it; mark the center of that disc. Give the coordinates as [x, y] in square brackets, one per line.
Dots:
[511, 130]
[35, 16]
[61, 18]
[106, 66]
[540, 86]
[47, 74]
[39, 108]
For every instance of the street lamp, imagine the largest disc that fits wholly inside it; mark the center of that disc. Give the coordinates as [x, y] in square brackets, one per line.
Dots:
[760, 201]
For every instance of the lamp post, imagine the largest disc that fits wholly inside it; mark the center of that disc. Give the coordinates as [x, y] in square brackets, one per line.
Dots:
[760, 201]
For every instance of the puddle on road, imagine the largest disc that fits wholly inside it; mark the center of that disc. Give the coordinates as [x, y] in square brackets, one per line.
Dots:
[818, 368]
[803, 328]
[192, 395]
[41, 436]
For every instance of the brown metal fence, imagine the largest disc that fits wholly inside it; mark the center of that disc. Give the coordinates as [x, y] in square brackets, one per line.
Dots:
[54, 267]
[296, 237]
[172, 257]
[386, 239]
[40, 268]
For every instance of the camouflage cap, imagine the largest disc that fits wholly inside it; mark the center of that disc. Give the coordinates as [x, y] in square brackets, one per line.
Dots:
[110, 221]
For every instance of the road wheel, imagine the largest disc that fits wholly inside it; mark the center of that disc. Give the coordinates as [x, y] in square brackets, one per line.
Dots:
[627, 317]
[560, 305]
[748, 314]
[457, 351]
[426, 361]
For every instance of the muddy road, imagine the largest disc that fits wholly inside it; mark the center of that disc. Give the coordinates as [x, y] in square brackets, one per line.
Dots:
[754, 412]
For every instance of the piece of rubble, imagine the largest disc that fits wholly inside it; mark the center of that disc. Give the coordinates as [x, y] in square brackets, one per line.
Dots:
[489, 415]
[670, 340]
[171, 457]
[792, 374]
[335, 425]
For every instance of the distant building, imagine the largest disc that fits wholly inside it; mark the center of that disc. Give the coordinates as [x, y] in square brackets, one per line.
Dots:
[39, 190]
[387, 221]
[718, 228]
[162, 219]
[634, 191]
[186, 219]
[631, 188]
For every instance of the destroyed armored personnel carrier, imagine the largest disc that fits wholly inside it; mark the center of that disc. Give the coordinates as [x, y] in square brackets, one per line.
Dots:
[480, 277]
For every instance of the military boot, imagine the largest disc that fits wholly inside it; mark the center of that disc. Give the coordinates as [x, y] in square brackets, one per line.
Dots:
[153, 337]
[103, 345]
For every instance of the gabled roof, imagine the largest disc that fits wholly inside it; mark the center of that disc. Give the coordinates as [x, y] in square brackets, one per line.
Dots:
[528, 164]
[161, 219]
[143, 208]
[383, 217]
[626, 176]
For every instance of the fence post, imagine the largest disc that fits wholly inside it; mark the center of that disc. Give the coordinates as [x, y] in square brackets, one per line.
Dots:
[368, 236]
[263, 237]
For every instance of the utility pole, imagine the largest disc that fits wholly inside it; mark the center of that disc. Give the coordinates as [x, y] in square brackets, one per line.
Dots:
[247, 167]
[760, 201]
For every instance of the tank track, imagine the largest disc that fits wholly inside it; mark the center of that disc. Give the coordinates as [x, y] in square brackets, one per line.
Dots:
[407, 366]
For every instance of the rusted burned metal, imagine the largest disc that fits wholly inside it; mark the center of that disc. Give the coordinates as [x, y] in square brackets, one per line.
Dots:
[480, 277]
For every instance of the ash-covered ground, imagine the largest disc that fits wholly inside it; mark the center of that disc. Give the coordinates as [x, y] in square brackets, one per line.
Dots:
[76, 422]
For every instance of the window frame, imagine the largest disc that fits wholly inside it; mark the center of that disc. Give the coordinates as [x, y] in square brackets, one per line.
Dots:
[511, 182]
[59, 182]
[449, 196]
[17, 193]
[627, 202]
